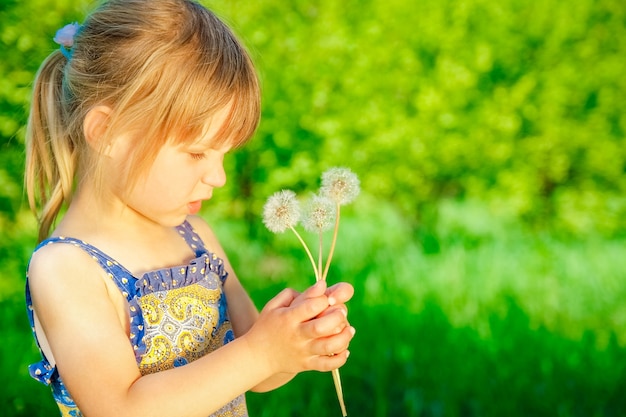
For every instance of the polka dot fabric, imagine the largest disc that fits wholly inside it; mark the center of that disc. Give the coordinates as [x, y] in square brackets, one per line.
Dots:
[177, 315]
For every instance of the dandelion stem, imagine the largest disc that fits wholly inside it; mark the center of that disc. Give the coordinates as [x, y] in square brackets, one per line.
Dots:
[308, 252]
[337, 381]
[319, 253]
[335, 372]
[332, 245]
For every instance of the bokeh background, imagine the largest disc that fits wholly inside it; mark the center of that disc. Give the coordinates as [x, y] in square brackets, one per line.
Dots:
[487, 247]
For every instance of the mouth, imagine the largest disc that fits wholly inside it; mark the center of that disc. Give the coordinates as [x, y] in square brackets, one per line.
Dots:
[194, 207]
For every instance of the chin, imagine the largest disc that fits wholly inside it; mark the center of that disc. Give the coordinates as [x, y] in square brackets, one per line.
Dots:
[170, 221]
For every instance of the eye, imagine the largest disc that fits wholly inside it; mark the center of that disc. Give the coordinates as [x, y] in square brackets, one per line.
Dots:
[197, 156]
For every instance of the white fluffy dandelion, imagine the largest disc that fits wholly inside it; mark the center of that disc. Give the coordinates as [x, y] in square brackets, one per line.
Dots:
[319, 214]
[340, 185]
[281, 211]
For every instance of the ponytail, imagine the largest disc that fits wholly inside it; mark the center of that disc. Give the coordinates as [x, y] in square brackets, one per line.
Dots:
[163, 67]
[50, 151]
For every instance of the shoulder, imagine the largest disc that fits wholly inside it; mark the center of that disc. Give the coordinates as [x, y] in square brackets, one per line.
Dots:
[61, 265]
[59, 254]
[70, 290]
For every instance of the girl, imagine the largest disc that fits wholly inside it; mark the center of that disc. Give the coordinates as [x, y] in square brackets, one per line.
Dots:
[133, 303]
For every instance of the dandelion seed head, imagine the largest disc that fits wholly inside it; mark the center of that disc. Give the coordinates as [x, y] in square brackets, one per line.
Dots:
[341, 185]
[281, 211]
[319, 214]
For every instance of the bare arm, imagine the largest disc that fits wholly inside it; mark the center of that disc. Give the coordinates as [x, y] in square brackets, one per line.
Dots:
[94, 357]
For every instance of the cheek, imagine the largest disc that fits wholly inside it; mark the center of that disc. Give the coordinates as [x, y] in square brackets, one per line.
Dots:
[170, 176]
[168, 183]
[176, 181]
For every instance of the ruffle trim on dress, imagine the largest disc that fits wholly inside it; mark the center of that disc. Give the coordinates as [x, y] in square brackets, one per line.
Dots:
[43, 372]
[181, 276]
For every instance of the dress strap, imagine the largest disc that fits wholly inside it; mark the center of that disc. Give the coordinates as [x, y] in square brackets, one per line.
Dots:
[192, 238]
[122, 277]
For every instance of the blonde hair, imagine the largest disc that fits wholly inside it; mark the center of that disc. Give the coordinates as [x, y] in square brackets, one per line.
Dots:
[164, 67]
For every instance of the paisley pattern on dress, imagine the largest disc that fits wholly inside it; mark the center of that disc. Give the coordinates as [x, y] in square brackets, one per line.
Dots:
[177, 315]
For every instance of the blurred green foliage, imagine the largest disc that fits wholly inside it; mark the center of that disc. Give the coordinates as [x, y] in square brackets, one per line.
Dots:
[517, 104]
[487, 246]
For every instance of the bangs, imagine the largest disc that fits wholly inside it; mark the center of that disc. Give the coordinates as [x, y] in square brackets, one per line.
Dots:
[193, 111]
[203, 91]
[180, 85]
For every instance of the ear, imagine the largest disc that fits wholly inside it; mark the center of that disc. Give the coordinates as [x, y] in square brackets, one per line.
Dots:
[95, 125]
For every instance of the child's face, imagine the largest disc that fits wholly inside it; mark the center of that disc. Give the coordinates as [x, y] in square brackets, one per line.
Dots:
[181, 177]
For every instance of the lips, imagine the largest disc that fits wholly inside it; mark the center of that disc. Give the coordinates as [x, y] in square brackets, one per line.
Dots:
[194, 206]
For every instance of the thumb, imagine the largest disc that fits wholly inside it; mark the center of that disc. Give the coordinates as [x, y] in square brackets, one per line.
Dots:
[316, 290]
[282, 299]
[311, 302]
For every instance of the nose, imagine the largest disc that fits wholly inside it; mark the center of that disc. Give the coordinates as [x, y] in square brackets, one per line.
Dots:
[215, 175]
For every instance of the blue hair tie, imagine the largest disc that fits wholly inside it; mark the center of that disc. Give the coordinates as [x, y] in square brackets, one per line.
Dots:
[65, 38]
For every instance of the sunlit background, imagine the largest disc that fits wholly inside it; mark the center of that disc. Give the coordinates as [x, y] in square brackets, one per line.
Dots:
[488, 244]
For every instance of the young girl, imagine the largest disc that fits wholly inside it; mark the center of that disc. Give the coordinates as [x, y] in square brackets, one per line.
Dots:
[133, 303]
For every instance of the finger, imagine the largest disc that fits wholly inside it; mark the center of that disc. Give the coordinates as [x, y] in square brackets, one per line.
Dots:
[316, 290]
[337, 307]
[307, 309]
[328, 363]
[282, 299]
[340, 293]
[328, 323]
[333, 345]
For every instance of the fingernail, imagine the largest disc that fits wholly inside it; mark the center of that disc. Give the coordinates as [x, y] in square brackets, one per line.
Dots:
[352, 330]
[331, 301]
[347, 354]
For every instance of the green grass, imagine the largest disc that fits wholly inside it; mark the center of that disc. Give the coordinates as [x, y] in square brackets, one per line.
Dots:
[474, 317]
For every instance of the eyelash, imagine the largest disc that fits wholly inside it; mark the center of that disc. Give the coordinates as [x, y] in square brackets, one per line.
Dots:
[197, 156]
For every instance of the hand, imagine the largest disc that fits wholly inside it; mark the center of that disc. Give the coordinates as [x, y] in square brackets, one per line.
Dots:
[336, 314]
[338, 295]
[297, 332]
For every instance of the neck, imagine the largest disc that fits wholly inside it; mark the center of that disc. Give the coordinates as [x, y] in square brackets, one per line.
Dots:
[138, 243]
[97, 212]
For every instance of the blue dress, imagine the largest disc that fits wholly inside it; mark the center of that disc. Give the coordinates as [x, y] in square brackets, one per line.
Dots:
[177, 315]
